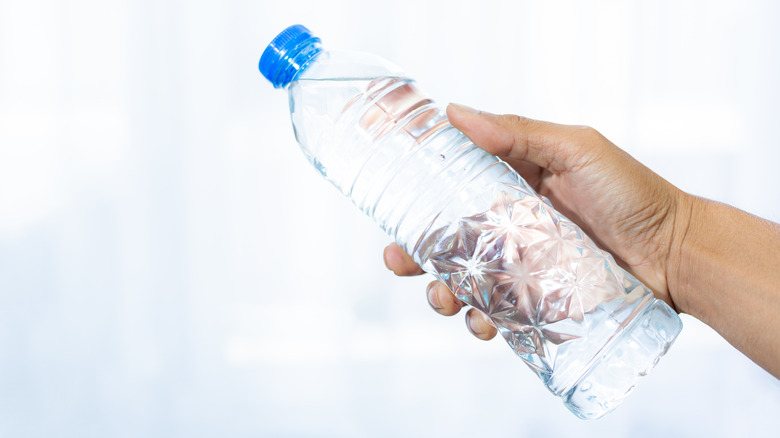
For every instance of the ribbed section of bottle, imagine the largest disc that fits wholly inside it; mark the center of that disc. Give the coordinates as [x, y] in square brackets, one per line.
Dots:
[559, 301]
[417, 163]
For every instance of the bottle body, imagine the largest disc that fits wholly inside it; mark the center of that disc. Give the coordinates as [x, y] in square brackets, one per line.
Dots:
[586, 327]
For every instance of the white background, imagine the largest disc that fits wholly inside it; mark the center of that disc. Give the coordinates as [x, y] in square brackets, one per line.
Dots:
[170, 265]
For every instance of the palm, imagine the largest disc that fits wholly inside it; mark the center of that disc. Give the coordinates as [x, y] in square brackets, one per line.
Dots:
[623, 216]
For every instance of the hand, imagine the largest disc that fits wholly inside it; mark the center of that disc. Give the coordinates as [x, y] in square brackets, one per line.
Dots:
[621, 204]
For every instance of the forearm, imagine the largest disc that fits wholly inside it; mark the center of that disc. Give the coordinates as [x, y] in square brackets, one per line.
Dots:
[724, 269]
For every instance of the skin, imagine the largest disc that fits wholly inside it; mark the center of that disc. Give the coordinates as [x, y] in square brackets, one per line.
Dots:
[710, 260]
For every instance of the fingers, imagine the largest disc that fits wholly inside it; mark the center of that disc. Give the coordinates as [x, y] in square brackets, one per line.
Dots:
[401, 263]
[438, 294]
[543, 144]
[442, 300]
[479, 325]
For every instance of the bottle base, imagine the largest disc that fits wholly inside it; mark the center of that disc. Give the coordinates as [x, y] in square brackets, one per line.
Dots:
[632, 355]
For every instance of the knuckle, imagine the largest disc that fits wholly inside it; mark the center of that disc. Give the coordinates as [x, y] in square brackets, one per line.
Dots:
[515, 120]
[588, 133]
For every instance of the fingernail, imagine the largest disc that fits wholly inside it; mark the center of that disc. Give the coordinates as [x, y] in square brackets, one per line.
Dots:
[433, 297]
[470, 324]
[464, 109]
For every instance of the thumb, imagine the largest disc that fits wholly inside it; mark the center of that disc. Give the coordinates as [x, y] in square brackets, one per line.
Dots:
[555, 147]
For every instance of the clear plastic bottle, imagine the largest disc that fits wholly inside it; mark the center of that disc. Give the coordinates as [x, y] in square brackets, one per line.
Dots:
[585, 326]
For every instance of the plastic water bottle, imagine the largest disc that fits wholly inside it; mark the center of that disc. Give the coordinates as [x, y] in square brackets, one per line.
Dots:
[585, 326]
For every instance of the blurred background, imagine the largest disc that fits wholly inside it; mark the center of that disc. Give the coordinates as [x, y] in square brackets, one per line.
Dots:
[171, 266]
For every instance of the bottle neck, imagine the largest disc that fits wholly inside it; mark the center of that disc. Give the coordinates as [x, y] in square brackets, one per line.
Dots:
[295, 61]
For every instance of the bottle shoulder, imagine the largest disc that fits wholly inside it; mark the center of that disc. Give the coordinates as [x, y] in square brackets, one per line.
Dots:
[335, 65]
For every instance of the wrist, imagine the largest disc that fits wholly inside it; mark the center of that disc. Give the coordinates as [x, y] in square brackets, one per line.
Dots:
[722, 269]
[687, 215]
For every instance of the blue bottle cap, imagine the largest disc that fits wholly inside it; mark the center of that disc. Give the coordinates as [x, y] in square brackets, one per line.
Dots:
[288, 54]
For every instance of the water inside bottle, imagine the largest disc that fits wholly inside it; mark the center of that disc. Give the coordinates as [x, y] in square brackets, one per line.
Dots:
[553, 295]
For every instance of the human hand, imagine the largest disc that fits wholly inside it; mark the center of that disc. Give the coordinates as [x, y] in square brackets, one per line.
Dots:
[621, 204]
